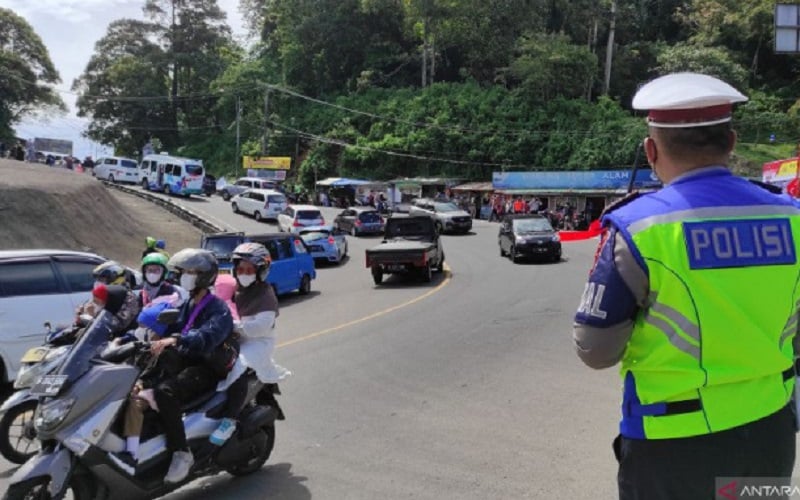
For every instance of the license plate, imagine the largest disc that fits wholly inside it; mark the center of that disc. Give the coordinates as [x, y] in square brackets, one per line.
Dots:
[395, 268]
[34, 355]
[48, 385]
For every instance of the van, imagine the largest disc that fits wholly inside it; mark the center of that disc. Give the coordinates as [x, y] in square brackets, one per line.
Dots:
[171, 174]
[116, 169]
[262, 204]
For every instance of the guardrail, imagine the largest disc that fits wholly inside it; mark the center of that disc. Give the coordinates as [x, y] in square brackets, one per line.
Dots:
[197, 221]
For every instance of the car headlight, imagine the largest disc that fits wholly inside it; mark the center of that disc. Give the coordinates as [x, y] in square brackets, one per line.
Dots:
[556, 237]
[49, 415]
[519, 239]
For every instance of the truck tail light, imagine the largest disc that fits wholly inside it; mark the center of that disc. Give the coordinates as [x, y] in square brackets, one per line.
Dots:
[296, 224]
[358, 222]
[331, 240]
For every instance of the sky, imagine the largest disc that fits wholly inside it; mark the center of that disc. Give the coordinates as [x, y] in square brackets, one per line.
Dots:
[69, 30]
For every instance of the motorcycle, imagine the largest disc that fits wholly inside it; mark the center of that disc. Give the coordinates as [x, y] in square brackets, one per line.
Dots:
[77, 422]
[17, 434]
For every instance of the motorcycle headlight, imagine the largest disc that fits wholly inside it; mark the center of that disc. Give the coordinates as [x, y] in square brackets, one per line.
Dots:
[49, 415]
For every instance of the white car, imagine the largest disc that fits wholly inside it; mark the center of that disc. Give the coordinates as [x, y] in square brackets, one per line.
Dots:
[116, 169]
[296, 217]
[38, 287]
[260, 203]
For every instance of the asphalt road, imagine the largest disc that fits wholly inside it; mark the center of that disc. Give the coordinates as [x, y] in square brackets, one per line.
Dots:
[464, 388]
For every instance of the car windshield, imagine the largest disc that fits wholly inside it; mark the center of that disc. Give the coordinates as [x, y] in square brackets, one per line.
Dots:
[407, 229]
[128, 163]
[445, 207]
[532, 225]
[194, 169]
[222, 247]
[308, 214]
[314, 235]
[88, 347]
[369, 217]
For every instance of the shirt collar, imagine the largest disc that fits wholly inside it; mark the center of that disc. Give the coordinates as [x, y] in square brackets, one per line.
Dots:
[710, 171]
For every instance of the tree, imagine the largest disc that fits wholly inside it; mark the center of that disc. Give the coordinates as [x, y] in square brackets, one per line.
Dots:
[712, 61]
[121, 86]
[26, 71]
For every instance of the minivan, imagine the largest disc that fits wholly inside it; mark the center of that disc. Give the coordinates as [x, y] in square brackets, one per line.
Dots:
[259, 203]
[171, 174]
[116, 169]
[297, 216]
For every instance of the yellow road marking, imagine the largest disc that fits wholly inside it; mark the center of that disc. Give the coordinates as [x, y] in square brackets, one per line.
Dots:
[445, 281]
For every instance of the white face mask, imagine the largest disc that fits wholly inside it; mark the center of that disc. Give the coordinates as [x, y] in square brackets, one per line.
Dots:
[246, 279]
[153, 278]
[188, 281]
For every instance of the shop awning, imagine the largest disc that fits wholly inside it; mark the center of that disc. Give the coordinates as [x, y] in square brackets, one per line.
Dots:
[566, 192]
[474, 186]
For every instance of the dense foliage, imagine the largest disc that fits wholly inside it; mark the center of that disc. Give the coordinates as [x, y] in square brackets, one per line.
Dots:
[388, 88]
[26, 71]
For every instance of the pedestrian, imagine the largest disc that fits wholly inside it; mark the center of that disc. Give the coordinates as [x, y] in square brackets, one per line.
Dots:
[20, 152]
[707, 363]
[68, 164]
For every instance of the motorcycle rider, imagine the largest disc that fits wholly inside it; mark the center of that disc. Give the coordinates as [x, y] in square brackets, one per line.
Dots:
[154, 270]
[257, 307]
[111, 273]
[203, 340]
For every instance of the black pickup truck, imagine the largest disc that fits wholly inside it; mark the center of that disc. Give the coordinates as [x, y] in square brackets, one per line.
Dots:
[411, 245]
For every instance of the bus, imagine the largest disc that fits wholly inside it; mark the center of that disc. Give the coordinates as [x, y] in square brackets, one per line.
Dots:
[171, 174]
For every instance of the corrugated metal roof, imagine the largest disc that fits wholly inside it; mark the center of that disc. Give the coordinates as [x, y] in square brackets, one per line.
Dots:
[474, 186]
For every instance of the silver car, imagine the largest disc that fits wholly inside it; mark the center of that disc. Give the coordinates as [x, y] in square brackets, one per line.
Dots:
[447, 216]
[324, 243]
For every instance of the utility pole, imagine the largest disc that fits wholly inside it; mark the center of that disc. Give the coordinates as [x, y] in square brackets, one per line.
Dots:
[238, 118]
[610, 47]
[265, 137]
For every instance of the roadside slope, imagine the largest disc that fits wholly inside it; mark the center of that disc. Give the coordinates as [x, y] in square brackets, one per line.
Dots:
[43, 207]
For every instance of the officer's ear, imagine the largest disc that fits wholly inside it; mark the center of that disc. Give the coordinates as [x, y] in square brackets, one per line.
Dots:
[650, 150]
[732, 136]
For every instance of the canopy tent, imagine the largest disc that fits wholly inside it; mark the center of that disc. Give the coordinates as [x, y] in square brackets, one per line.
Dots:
[343, 181]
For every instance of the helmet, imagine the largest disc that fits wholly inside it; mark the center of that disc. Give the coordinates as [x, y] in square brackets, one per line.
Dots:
[110, 273]
[201, 262]
[254, 253]
[158, 259]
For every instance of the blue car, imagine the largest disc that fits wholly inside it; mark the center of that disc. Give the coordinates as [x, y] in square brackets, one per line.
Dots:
[292, 266]
[325, 243]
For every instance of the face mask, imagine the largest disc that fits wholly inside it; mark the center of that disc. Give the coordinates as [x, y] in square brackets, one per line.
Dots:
[188, 281]
[153, 278]
[246, 279]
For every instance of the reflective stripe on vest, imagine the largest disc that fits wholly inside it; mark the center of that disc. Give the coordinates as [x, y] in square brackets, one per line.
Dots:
[696, 363]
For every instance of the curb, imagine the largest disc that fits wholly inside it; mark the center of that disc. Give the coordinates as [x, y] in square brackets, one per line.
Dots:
[197, 221]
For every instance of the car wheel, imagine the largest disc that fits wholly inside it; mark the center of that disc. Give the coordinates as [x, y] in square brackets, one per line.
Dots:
[305, 285]
[377, 275]
[167, 190]
[145, 185]
[226, 195]
[111, 179]
[440, 265]
[557, 257]
[502, 252]
[427, 273]
[439, 228]
[235, 208]
[257, 216]
[345, 250]
[353, 231]
[512, 254]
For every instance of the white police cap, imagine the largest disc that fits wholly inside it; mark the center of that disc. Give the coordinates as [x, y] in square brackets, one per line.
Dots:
[683, 100]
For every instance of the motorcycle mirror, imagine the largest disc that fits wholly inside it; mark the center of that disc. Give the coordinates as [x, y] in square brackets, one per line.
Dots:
[48, 326]
[168, 316]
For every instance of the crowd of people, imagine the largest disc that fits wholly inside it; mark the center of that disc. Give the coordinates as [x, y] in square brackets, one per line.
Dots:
[27, 153]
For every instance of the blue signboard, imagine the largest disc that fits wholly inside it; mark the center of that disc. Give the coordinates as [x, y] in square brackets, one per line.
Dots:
[585, 179]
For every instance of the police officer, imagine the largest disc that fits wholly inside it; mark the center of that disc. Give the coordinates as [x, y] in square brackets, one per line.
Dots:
[695, 291]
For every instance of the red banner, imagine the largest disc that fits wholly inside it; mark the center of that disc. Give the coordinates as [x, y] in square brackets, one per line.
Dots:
[593, 232]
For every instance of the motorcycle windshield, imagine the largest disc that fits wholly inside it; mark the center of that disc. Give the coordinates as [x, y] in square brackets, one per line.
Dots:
[88, 347]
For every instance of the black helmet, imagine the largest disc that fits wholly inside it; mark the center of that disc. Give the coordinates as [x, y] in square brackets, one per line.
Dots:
[110, 273]
[200, 262]
[254, 253]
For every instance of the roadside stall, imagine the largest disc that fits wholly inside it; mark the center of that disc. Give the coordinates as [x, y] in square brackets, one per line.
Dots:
[477, 196]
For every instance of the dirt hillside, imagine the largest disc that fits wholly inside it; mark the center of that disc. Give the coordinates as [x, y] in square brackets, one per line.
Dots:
[44, 207]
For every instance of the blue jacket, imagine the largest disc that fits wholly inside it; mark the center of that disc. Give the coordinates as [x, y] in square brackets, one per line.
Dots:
[212, 326]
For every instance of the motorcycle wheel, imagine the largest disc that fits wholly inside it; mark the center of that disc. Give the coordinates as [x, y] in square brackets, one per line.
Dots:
[262, 445]
[17, 437]
[79, 486]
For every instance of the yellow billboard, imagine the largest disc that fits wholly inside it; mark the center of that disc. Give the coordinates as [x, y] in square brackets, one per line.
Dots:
[268, 162]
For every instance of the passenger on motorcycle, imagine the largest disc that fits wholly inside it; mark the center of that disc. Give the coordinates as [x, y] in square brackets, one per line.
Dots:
[120, 302]
[257, 307]
[203, 339]
[154, 270]
[106, 274]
